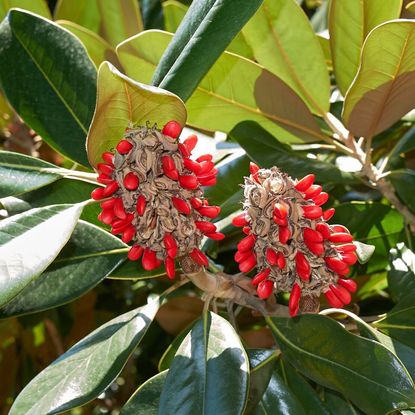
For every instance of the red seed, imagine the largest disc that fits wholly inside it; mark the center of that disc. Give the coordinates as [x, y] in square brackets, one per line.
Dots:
[135, 253]
[205, 167]
[240, 220]
[341, 293]
[128, 234]
[349, 284]
[199, 257]
[169, 241]
[217, 236]
[188, 181]
[328, 214]
[108, 204]
[246, 243]
[104, 179]
[311, 211]
[335, 264]
[265, 289]
[302, 266]
[312, 235]
[196, 203]
[284, 234]
[119, 209]
[324, 229]
[248, 265]
[322, 198]
[205, 157]
[208, 182]
[281, 210]
[346, 248]
[253, 168]
[170, 268]
[210, 211]
[246, 230]
[108, 157]
[191, 165]
[317, 248]
[172, 129]
[141, 205]
[241, 256]
[313, 191]
[349, 258]
[167, 163]
[149, 260]
[279, 221]
[305, 183]
[294, 300]
[333, 299]
[124, 146]
[183, 150]
[105, 168]
[339, 228]
[131, 181]
[107, 216]
[205, 226]
[181, 205]
[343, 272]
[110, 189]
[340, 237]
[98, 193]
[271, 256]
[261, 276]
[172, 174]
[281, 260]
[190, 142]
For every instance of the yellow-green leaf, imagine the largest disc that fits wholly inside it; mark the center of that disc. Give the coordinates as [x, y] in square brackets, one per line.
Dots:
[39, 7]
[382, 91]
[349, 23]
[121, 101]
[86, 13]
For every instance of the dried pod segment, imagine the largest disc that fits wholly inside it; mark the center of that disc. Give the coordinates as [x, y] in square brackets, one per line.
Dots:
[289, 241]
[153, 196]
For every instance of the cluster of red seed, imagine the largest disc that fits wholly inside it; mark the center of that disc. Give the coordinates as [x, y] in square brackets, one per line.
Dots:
[289, 241]
[154, 196]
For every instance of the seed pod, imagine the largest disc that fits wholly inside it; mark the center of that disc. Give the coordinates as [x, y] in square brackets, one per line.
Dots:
[348, 284]
[205, 226]
[312, 211]
[294, 300]
[320, 199]
[324, 229]
[341, 293]
[124, 146]
[135, 253]
[305, 183]
[312, 235]
[281, 210]
[172, 129]
[199, 257]
[188, 181]
[105, 168]
[170, 268]
[333, 299]
[340, 237]
[271, 256]
[216, 236]
[261, 276]
[141, 205]
[247, 243]
[241, 256]
[108, 158]
[313, 191]
[248, 264]
[210, 211]
[240, 220]
[190, 142]
[119, 210]
[284, 234]
[181, 205]
[110, 189]
[149, 260]
[265, 289]
[98, 193]
[328, 214]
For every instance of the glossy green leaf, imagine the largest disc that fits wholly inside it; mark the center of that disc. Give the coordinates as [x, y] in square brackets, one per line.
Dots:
[134, 271]
[39, 7]
[88, 367]
[267, 151]
[276, 45]
[338, 404]
[381, 92]
[270, 102]
[98, 48]
[52, 84]
[341, 363]
[88, 257]
[349, 23]
[20, 173]
[262, 363]
[146, 399]
[122, 101]
[29, 242]
[152, 14]
[119, 20]
[209, 373]
[401, 275]
[5, 111]
[86, 13]
[399, 322]
[200, 39]
[404, 181]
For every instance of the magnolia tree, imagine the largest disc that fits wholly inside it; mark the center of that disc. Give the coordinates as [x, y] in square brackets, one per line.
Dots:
[302, 300]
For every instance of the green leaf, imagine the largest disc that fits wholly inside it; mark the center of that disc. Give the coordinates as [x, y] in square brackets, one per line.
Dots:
[5, 111]
[88, 367]
[52, 85]
[88, 257]
[401, 275]
[262, 363]
[200, 39]
[146, 399]
[270, 102]
[29, 242]
[20, 173]
[35, 6]
[399, 322]
[173, 11]
[209, 373]
[152, 14]
[275, 45]
[98, 48]
[349, 24]
[122, 101]
[341, 363]
[404, 181]
[338, 404]
[119, 20]
[377, 97]
[267, 151]
[86, 13]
